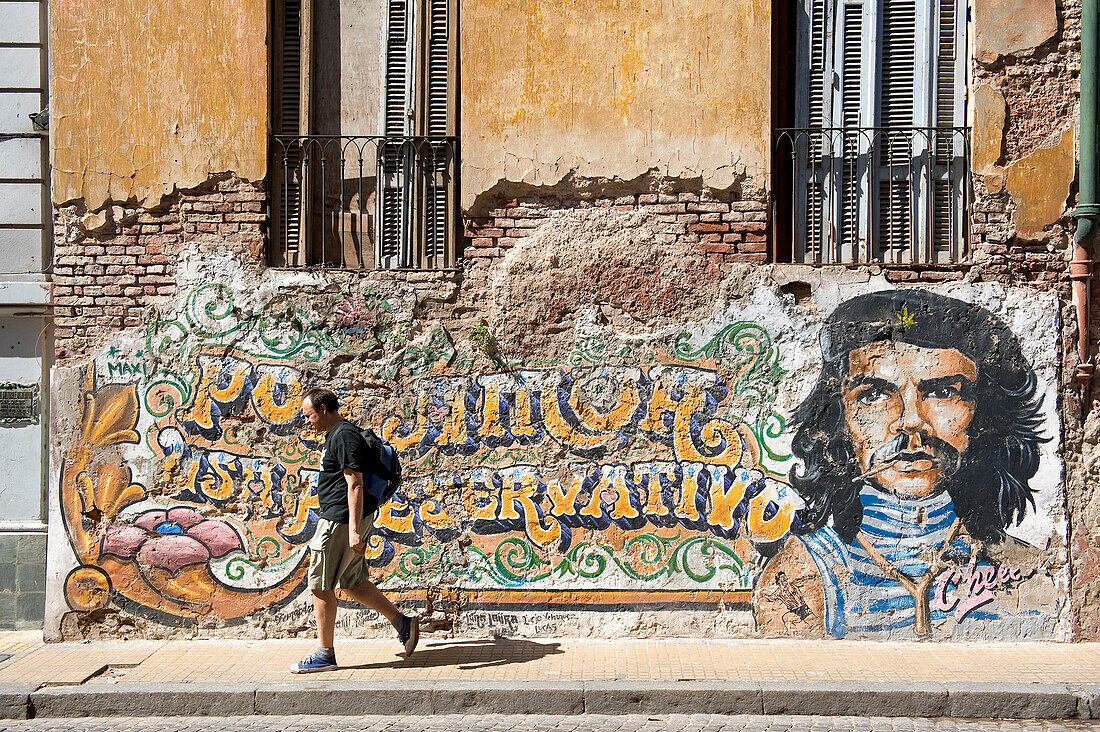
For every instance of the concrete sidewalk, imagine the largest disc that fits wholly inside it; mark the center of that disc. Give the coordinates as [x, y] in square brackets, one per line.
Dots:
[553, 676]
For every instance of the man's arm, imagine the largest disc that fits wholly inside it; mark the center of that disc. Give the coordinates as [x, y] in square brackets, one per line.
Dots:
[355, 509]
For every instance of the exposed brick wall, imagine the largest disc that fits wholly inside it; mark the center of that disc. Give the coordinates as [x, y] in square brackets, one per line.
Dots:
[1041, 92]
[106, 277]
[727, 230]
[1041, 88]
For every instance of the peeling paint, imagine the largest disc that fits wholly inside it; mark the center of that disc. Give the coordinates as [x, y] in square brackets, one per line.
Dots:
[1040, 185]
[612, 90]
[149, 97]
[989, 125]
[1007, 27]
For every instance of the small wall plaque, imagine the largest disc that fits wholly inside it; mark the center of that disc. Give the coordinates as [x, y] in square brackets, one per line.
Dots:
[18, 403]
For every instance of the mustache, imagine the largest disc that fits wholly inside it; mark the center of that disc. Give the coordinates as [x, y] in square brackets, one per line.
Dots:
[894, 450]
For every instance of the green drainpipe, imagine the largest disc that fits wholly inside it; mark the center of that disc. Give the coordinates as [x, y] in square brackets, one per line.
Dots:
[1088, 207]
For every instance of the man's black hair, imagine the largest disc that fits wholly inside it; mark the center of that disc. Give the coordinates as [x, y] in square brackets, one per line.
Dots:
[990, 488]
[323, 398]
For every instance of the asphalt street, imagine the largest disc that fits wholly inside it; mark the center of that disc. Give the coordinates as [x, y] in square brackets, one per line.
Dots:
[538, 723]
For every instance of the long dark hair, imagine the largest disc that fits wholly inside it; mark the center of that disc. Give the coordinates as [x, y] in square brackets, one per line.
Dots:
[990, 488]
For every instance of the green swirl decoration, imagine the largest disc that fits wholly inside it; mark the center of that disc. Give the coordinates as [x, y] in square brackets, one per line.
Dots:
[236, 567]
[717, 556]
[587, 559]
[746, 349]
[210, 319]
[418, 560]
[206, 309]
[591, 350]
[419, 360]
[517, 559]
[171, 391]
[268, 546]
[517, 563]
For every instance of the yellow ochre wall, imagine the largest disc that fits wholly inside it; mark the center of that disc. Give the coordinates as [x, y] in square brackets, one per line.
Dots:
[151, 95]
[613, 89]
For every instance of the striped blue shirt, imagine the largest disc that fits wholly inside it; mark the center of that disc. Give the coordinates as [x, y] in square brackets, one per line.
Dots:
[859, 597]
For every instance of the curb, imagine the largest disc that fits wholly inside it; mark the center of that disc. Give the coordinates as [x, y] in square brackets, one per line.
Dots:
[859, 699]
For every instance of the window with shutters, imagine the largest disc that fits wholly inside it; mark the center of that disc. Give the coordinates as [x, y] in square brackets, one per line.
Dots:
[365, 151]
[877, 159]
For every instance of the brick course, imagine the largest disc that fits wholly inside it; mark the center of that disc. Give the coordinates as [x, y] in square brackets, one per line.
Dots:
[726, 229]
[105, 280]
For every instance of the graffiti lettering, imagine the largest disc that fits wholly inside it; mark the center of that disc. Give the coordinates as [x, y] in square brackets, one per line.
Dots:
[967, 589]
[590, 412]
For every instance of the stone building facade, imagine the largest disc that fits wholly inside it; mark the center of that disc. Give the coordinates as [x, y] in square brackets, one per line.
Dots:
[626, 405]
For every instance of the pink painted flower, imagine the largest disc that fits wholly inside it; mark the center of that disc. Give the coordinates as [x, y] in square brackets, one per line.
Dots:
[171, 539]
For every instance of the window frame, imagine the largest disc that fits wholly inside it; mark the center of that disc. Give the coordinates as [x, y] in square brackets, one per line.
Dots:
[822, 92]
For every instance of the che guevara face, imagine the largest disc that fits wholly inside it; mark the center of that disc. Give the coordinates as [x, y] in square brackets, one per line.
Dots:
[907, 410]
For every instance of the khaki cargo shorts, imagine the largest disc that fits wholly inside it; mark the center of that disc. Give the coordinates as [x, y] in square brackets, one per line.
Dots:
[332, 564]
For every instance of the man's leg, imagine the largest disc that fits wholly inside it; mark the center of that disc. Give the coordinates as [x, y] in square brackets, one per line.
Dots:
[369, 595]
[324, 609]
[408, 629]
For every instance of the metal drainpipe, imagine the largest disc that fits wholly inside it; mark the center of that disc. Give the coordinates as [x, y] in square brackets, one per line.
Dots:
[1088, 207]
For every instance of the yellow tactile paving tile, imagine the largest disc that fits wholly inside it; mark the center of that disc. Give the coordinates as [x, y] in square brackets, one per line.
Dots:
[437, 659]
[72, 663]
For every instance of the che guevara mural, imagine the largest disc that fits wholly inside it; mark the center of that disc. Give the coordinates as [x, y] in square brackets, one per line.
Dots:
[871, 464]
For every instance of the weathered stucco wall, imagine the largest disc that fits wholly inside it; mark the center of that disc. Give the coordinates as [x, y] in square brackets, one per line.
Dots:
[554, 89]
[624, 467]
[148, 97]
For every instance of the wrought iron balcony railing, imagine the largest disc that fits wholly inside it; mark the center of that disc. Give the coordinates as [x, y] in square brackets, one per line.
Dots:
[886, 195]
[365, 202]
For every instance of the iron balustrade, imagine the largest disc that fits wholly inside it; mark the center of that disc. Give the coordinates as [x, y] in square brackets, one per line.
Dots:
[888, 195]
[365, 202]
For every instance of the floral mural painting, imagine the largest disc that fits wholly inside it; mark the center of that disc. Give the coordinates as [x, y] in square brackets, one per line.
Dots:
[660, 491]
[171, 540]
[136, 546]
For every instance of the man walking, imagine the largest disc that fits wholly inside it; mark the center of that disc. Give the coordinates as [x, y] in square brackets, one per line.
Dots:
[336, 558]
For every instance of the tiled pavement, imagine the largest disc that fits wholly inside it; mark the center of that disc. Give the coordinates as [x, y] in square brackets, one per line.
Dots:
[455, 676]
[517, 660]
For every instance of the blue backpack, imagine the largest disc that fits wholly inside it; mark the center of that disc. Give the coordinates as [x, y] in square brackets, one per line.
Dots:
[383, 475]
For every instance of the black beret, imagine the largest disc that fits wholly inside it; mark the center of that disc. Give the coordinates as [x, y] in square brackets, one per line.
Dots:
[925, 319]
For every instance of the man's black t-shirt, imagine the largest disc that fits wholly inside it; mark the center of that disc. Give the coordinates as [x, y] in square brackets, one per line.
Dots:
[344, 448]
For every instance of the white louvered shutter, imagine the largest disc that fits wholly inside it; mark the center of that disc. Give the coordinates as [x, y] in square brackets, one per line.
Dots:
[855, 105]
[897, 85]
[949, 174]
[884, 186]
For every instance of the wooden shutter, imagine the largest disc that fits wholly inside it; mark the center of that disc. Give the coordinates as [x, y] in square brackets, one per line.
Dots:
[394, 158]
[291, 109]
[812, 66]
[438, 109]
[949, 175]
[894, 208]
[417, 196]
[816, 67]
[851, 184]
[895, 193]
[898, 88]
